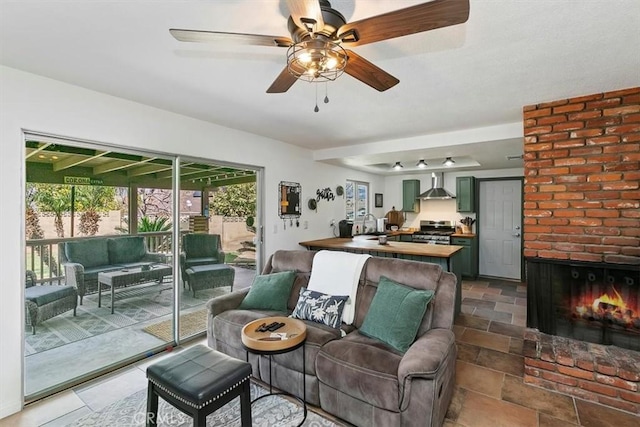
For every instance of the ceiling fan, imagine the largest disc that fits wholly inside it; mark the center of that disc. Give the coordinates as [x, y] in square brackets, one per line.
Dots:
[319, 32]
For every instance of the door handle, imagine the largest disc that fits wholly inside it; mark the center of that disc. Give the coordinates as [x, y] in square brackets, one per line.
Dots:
[516, 235]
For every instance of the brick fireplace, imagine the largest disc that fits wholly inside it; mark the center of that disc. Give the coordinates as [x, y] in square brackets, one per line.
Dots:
[582, 246]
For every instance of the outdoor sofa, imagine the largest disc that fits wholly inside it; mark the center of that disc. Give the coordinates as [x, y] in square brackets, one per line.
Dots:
[355, 377]
[83, 259]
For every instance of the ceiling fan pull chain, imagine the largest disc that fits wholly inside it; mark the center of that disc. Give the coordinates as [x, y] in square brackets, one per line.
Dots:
[316, 109]
[326, 93]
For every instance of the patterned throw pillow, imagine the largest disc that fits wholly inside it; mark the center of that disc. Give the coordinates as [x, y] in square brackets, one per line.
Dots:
[320, 308]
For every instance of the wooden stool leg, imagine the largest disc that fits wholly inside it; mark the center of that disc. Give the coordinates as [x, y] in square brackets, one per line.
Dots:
[152, 405]
[245, 404]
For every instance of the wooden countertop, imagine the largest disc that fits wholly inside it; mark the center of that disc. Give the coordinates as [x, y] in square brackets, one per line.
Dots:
[468, 236]
[404, 248]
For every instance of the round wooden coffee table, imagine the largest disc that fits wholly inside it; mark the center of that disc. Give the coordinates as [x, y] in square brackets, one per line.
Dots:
[263, 343]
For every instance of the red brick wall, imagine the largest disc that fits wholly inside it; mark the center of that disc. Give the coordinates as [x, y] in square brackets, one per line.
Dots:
[582, 178]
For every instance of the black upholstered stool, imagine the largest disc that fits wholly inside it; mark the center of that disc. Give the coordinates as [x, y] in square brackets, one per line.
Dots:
[199, 381]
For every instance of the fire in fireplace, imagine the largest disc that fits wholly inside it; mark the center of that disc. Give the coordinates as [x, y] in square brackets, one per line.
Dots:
[597, 303]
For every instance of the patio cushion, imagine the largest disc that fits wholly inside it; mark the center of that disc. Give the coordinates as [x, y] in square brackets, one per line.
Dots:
[126, 249]
[88, 252]
[202, 261]
[92, 272]
[45, 294]
[201, 245]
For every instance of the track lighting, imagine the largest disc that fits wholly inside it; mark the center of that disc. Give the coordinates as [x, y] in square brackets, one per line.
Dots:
[398, 166]
[421, 164]
[448, 162]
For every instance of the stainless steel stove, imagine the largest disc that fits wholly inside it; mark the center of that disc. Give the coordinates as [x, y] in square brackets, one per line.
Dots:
[434, 232]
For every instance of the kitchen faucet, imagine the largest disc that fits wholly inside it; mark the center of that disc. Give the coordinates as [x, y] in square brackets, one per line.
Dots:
[364, 220]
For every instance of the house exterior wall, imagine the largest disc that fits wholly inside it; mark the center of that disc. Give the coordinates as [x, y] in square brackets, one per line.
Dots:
[34, 103]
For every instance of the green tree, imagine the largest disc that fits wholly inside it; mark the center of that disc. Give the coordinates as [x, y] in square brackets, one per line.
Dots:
[147, 225]
[234, 200]
[55, 199]
[92, 200]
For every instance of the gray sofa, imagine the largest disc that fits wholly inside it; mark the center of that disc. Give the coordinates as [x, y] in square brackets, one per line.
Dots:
[83, 259]
[357, 378]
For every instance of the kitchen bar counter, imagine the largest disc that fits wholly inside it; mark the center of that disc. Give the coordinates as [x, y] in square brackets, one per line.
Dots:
[446, 256]
[398, 248]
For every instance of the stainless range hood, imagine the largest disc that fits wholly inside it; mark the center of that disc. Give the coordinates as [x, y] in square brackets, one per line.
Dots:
[436, 192]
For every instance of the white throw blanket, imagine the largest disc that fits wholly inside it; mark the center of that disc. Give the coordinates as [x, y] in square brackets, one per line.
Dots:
[337, 273]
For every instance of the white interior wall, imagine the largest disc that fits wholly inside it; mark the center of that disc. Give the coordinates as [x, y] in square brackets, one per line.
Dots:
[30, 102]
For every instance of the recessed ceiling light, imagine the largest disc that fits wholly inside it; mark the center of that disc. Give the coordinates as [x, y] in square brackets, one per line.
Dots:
[42, 156]
[448, 162]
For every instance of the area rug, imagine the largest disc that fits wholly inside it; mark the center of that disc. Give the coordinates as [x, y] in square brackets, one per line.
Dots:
[272, 411]
[190, 324]
[91, 320]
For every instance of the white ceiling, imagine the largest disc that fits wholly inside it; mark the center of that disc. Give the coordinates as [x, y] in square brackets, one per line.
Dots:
[461, 89]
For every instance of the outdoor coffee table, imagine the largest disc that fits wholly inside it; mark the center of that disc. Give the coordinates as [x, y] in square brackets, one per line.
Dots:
[130, 276]
[262, 343]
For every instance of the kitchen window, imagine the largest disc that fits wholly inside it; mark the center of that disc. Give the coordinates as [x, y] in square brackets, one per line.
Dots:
[357, 199]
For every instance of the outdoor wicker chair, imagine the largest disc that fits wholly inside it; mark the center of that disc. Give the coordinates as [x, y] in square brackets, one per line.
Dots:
[42, 302]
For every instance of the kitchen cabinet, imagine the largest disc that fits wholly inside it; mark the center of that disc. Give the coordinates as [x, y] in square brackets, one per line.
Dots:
[465, 194]
[406, 238]
[468, 257]
[410, 193]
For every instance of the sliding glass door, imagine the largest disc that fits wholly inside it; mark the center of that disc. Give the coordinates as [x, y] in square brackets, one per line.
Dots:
[106, 268]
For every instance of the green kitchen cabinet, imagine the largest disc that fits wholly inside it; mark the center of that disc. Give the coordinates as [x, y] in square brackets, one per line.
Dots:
[406, 238]
[468, 257]
[410, 193]
[465, 194]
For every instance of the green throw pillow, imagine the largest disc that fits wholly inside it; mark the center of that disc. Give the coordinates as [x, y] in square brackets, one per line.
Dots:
[395, 314]
[269, 292]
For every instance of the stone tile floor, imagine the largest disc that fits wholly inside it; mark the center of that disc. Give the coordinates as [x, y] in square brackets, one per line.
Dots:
[489, 387]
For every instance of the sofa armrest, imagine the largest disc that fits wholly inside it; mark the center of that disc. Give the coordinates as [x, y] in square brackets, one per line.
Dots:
[74, 276]
[221, 257]
[427, 354]
[226, 302]
[432, 357]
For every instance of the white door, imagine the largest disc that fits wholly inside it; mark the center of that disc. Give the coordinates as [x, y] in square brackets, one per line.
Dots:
[500, 229]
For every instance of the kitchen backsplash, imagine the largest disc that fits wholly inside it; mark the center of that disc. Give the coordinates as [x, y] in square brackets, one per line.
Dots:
[436, 210]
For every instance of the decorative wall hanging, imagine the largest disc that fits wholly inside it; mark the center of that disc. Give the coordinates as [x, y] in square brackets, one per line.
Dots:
[326, 194]
[312, 205]
[378, 200]
[289, 194]
[340, 190]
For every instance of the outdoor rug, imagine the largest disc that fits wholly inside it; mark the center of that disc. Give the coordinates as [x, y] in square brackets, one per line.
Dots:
[190, 324]
[139, 305]
[271, 411]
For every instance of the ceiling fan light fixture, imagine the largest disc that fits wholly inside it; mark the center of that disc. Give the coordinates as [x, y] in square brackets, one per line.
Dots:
[421, 164]
[316, 60]
[448, 162]
[398, 166]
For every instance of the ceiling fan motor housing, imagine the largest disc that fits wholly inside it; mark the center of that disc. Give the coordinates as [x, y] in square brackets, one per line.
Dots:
[333, 20]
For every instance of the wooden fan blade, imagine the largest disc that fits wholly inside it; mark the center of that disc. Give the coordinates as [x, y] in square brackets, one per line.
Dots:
[368, 73]
[411, 20]
[283, 82]
[309, 9]
[237, 38]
